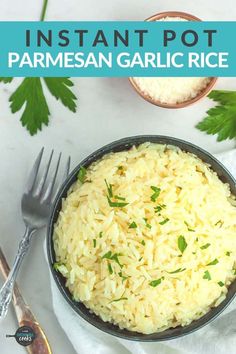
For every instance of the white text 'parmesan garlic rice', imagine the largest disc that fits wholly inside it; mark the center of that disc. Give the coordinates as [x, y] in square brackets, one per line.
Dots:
[146, 238]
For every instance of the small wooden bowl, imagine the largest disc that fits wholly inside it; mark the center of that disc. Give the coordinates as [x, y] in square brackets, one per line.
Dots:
[189, 102]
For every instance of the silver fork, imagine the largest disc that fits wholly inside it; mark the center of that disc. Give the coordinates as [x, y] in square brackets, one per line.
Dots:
[36, 203]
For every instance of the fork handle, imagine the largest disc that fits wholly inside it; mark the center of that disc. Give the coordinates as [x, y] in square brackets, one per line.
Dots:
[6, 291]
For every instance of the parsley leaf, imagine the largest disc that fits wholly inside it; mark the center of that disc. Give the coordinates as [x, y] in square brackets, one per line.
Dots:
[221, 120]
[182, 244]
[109, 189]
[82, 174]
[207, 275]
[110, 270]
[205, 246]
[213, 262]
[133, 225]
[156, 282]
[122, 276]
[6, 80]
[177, 271]
[220, 283]
[107, 255]
[118, 197]
[30, 95]
[116, 204]
[159, 207]
[59, 88]
[156, 193]
[113, 257]
[147, 224]
[120, 299]
[94, 242]
[164, 221]
[189, 229]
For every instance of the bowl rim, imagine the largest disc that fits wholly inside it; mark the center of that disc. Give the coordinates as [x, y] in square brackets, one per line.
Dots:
[84, 313]
[202, 94]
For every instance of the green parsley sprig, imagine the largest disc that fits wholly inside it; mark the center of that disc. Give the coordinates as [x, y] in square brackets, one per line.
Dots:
[221, 119]
[30, 96]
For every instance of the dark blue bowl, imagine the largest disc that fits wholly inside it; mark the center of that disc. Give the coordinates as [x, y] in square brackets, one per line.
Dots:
[80, 309]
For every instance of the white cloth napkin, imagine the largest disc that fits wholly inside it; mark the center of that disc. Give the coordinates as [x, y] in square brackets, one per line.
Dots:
[219, 337]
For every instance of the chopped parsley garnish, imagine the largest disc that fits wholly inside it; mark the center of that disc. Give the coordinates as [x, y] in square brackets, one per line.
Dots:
[116, 259]
[82, 174]
[120, 168]
[156, 282]
[112, 257]
[109, 189]
[143, 242]
[110, 268]
[182, 244]
[220, 283]
[100, 234]
[122, 276]
[147, 224]
[120, 299]
[94, 242]
[228, 253]
[189, 229]
[118, 197]
[234, 271]
[156, 193]
[133, 225]
[207, 275]
[205, 246]
[140, 259]
[107, 255]
[177, 271]
[213, 262]
[164, 221]
[116, 204]
[159, 207]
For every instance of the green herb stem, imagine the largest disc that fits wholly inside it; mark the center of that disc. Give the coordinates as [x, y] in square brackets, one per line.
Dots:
[44, 9]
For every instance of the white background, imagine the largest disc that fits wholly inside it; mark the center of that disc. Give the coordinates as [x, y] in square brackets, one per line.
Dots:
[108, 109]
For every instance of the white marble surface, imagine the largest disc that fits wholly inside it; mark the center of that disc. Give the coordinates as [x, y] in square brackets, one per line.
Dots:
[108, 109]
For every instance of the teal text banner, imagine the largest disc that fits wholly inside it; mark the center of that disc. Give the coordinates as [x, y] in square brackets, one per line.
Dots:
[117, 49]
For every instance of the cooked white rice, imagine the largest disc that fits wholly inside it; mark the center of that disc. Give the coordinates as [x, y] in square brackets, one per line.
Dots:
[187, 224]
